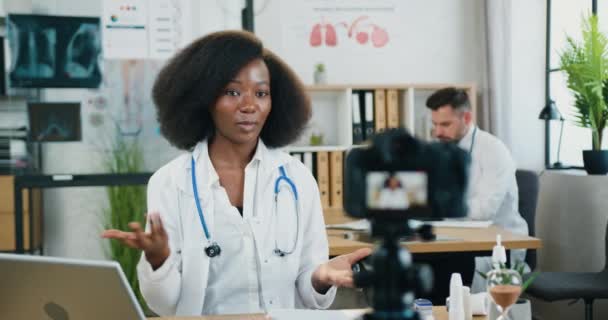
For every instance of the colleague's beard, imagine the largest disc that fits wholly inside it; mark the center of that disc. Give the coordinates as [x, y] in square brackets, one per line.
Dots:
[452, 141]
[464, 134]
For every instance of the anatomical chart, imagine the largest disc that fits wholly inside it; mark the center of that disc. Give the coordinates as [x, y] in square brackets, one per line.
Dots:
[341, 34]
[360, 30]
[123, 104]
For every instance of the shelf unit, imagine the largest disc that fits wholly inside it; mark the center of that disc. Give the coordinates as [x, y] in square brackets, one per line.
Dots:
[332, 117]
[32, 213]
[332, 111]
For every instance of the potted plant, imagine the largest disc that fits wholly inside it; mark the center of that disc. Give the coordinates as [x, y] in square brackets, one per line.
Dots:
[586, 66]
[126, 204]
[320, 76]
[522, 309]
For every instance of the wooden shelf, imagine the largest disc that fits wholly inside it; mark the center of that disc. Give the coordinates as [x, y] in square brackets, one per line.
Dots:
[410, 95]
[422, 86]
[315, 148]
[7, 215]
[334, 106]
[336, 215]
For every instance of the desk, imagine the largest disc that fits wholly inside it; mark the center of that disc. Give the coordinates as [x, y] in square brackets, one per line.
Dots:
[438, 312]
[465, 240]
[470, 239]
[30, 181]
[445, 256]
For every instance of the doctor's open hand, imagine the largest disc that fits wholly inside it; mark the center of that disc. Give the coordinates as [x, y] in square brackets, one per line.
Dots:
[338, 271]
[155, 244]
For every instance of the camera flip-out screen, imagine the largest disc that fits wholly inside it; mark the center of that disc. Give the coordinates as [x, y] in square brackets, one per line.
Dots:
[400, 192]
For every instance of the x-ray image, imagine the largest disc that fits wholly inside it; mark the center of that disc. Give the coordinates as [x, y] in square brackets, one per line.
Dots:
[54, 121]
[83, 51]
[33, 55]
[54, 51]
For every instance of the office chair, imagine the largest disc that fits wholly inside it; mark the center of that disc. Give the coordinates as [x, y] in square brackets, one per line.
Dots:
[555, 286]
[527, 185]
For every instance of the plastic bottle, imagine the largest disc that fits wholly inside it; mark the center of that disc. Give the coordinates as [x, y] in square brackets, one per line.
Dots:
[499, 253]
[466, 303]
[456, 311]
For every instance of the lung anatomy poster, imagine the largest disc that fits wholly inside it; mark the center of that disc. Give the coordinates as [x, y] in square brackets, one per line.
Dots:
[341, 34]
[361, 30]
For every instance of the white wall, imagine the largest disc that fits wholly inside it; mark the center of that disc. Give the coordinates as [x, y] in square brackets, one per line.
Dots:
[528, 83]
[442, 40]
[445, 38]
[446, 45]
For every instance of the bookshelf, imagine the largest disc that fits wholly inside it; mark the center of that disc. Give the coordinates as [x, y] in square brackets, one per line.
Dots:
[32, 213]
[333, 118]
[332, 108]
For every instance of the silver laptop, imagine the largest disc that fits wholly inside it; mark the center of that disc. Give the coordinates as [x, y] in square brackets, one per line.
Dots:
[33, 287]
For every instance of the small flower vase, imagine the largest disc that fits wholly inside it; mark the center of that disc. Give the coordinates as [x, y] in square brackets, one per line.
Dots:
[320, 77]
[316, 139]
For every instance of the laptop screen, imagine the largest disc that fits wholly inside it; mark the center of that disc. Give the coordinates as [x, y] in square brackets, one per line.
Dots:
[35, 287]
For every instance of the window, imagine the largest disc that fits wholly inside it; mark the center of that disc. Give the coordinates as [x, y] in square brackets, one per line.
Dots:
[566, 19]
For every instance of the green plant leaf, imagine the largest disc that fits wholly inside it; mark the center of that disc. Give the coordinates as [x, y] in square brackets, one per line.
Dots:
[519, 267]
[483, 275]
[529, 281]
[126, 204]
[586, 67]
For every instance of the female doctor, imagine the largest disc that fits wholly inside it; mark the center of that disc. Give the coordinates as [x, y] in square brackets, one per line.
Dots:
[234, 225]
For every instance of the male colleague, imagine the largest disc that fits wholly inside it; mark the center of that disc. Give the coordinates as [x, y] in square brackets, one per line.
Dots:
[492, 193]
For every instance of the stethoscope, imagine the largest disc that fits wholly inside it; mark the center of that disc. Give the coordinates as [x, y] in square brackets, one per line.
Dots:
[213, 249]
[473, 141]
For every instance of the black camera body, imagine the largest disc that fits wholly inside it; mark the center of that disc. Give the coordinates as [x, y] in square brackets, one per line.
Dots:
[396, 179]
[445, 166]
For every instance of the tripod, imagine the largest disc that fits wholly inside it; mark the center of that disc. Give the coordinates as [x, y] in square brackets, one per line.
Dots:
[394, 279]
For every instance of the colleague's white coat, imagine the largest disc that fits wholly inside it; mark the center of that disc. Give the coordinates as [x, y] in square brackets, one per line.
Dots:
[493, 193]
[178, 286]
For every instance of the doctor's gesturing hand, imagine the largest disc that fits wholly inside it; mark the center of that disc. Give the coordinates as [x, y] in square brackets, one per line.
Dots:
[338, 271]
[154, 244]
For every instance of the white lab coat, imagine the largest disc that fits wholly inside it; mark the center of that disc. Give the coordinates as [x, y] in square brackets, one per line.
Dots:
[178, 286]
[493, 193]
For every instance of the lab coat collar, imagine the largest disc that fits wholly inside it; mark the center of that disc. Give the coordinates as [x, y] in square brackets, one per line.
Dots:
[465, 142]
[267, 159]
[270, 159]
[204, 168]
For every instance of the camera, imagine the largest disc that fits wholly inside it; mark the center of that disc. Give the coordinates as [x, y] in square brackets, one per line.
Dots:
[395, 179]
[432, 178]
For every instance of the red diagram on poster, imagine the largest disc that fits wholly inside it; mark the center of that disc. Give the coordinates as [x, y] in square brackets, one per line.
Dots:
[361, 30]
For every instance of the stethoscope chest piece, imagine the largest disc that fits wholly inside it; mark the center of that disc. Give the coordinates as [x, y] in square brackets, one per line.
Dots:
[213, 250]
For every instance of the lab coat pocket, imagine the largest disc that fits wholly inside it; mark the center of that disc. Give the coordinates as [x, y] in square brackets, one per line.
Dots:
[195, 265]
[284, 268]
